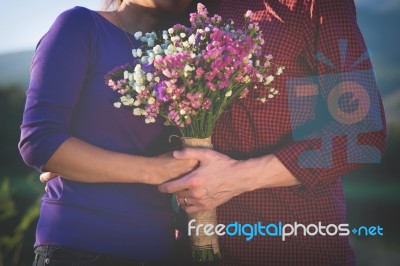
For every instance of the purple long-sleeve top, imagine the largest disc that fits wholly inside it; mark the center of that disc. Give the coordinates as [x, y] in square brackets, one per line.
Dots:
[67, 97]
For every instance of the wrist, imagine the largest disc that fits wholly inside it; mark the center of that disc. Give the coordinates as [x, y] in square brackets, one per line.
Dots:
[253, 173]
[264, 172]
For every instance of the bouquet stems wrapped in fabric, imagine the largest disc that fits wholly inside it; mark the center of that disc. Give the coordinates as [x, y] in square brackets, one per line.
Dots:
[204, 248]
[189, 76]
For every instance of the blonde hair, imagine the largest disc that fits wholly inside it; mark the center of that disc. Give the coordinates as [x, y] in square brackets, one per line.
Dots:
[111, 4]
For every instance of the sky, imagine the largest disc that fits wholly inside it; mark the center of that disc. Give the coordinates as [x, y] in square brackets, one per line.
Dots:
[26, 20]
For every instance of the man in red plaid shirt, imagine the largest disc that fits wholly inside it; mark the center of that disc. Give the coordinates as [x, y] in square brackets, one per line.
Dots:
[282, 161]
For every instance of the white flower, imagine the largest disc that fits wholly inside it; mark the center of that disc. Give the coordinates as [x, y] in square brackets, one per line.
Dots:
[170, 30]
[150, 53]
[183, 35]
[269, 79]
[150, 42]
[138, 35]
[157, 79]
[136, 103]
[157, 49]
[249, 14]
[185, 44]
[182, 112]
[134, 54]
[229, 93]
[149, 77]
[167, 73]
[279, 70]
[207, 29]
[139, 52]
[175, 38]
[192, 39]
[117, 104]
[188, 68]
[138, 76]
[143, 39]
[150, 120]
[127, 100]
[151, 100]
[138, 111]
[144, 59]
[259, 77]
[138, 67]
[270, 96]
[158, 57]
[126, 73]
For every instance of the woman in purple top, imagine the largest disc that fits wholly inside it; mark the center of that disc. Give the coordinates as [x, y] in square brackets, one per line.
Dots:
[103, 208]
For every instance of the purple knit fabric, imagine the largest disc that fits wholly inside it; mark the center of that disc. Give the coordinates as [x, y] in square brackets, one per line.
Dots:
[67, 96]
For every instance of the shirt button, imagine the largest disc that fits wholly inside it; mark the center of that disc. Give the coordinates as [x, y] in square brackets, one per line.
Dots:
[47, 261]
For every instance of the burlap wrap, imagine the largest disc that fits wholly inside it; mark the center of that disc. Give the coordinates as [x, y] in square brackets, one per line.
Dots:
[202, 241]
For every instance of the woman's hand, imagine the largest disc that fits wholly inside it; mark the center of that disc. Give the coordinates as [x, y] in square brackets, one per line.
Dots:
[165, 168]
[45, 177]
[220, 178]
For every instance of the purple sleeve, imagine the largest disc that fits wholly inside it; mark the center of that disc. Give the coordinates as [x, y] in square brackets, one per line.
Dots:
[58, 73]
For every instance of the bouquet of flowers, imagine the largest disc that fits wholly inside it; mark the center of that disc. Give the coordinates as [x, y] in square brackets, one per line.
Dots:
[189, 76]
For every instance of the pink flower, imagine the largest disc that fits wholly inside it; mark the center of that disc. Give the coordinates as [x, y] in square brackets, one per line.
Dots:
[199, 72]
[202, 10]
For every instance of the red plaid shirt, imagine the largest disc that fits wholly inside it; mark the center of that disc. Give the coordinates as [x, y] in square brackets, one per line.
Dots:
[295, 32]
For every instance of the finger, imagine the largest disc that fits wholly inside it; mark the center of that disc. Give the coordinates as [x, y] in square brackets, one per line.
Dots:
[46, 176]
[181, 194]
[174, 185]
[197, 154]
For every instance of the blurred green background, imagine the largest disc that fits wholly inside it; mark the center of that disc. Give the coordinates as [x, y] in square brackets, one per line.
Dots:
[373, 193]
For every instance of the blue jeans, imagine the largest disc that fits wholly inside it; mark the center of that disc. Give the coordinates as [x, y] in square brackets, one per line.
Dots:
[59, 256]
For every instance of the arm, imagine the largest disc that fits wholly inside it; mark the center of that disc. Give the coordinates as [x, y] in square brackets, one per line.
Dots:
[59, 69]
[83, 162]
[349, 131]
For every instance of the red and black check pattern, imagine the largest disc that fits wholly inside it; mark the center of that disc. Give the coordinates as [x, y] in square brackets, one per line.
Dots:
[294, 30]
